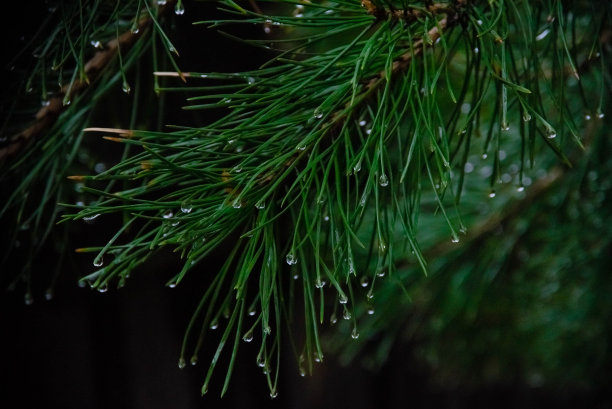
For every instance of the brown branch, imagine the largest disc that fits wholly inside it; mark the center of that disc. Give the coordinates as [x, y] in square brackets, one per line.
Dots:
[47, 116]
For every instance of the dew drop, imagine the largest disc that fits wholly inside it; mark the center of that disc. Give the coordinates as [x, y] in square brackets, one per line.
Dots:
[273, 394]
[194, 360]
[371, 310]
[326, 218]
[520, 188]
[346, 314]
[98, 261]
[237, 204]
[186, 206]
[381, 273]
[261, 362]
[161, 2]
[260, 205]
[179, 10]
[319, 283]
[91, 218]
[551, 133]
[476, 50]
[383, 180]
[126, 87]
[214, 325]
[135, 29]
[484, 155]
[168, 215]
[600, 114]
[45, 102]
[357, 167]
[291, 259]
[455, 239]
[333, 319]
[587, 117]
[370, 294]
[318, 114]
[362, 122]
[526, 117]
[49, 294]
[492, 194]
[103, 288]
[28, 299]
[248, 337]
[182, 363]
[252, 312]
[355, 333]
[343, 299]
[364, 281]
[368, 131]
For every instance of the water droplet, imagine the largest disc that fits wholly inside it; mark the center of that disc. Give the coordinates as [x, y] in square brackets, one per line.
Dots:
[261, 362]
[179, 10]
[161, 2]
[126, 87]
[455, 239]
[600, 114]
[168, 214]
[250, 80]
[91, 218]
[45, 102]
[551, 133]
[362, 122]
[333, 319]
[364, 281]
[357, 167]
[319, 283]
[326, 218]
[318, 114]
[380, 273]
[135, 29]
[371, 310]
[300, 148]
[260, 205]
[248, 337]
[484, 155]
[273, 394]
[237, 204]
[587, 117]
[252, 312]
[526, 117]
[317, 357]
[383, 180]
[102, 288]
[542, 35]
[355, 333]
[96, 44]
[346, 314]
[343, 299]
[49, 294]
[476, 50]
[172, 285]
[98, 261]
[520, 188]
[362, 201]
[368, 131]
[186, 206]
[291, 259]
[182, 363]
[28, 299]
[505, 127]
[267, 29]
[492, 194]
[370, 294]
[194, 360]
[214, 324]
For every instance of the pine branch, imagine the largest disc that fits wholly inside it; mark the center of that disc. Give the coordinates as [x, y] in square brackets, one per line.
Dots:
[48, 114]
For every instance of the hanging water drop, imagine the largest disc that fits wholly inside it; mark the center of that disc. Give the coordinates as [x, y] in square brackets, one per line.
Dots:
[520, 188]
[49, 294]
[260, 205]
[273, 394]
[492, 194]
[98, 261]
[587, 117]
[357, 167]
[383, 180]
[333, 319]
[371, 310]
[261, 362]
[135, 29]
[248, 337]
[252, 312]
[362, 122]
[346, 314]
[484, 155]
[600, 114]
[355, 333]
[214, 324]
[455, 239]
[319, 283]
[343, 299]
[370, 294]
[168, 214]
[194, 360]
[186, 206]
[182, 363]
[551, 133]
[161, 2]
[237, 204]
[505, 127]
[318, 114]
[126, 87]
[381, 273]
[102, 288]
[179, 9]
[96, 44]
[28, 299]
[364, 281]
[526, 117]
[291, 259]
